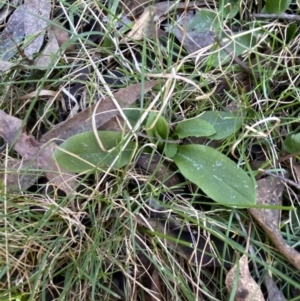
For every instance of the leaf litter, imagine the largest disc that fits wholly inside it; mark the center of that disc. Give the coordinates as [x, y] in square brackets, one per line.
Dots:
[247, 288]
[29, 20]
[13, 34]
[6, 7]
[102, 111]
[269, 192]
[37, 156]
[41, 156]
[48, 56]
[274, 293]
[19, 175]
[146, 25]
[36, 19]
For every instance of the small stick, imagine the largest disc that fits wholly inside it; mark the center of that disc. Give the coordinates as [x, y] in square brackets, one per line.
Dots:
[287, 157]
[278, 16]
[283, 179]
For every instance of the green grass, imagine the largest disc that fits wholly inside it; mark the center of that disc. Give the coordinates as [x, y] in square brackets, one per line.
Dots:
[77, 247]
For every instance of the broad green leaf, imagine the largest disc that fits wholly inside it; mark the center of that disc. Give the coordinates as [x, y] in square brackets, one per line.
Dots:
[133, 115]
[198, 31]
[292, 143]
[291, 32]
[171, 149]
[195, 128]
[225, 123]
[204, 21]
[160, 129]
[218, 176]
[206, 24]
[276, 6]
[86, 154]
[157, 132]
[237, 45]
[229, 8]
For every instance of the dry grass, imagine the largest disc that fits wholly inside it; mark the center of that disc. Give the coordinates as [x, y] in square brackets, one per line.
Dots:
[101, 243]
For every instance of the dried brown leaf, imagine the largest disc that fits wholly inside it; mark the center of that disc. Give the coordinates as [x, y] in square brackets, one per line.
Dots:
[31, 150]
[247, 288]
[28, 19]
[115, 124]
[13, 34]
[4, 65]
[104, 111]
[274, 293]
[62, 36]
[19, 175]
[35, 22]
[48, 56]
[269, 192]
[144, 27]
[134, 7]
[165, 6]
[8, 8]
[191, 39]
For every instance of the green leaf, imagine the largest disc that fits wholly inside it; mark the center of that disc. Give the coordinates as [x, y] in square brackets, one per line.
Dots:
[157, 132]
[171, 149]
[291, 32]
[218, 176]
[207, 24]
[133, 115]
[292, 143]
[236, 45]
[195, 128]
[84, 147]
[160, 129]
[229, 8]
[225, 123]
[276, 6]
[204, 21]
[204, 26]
